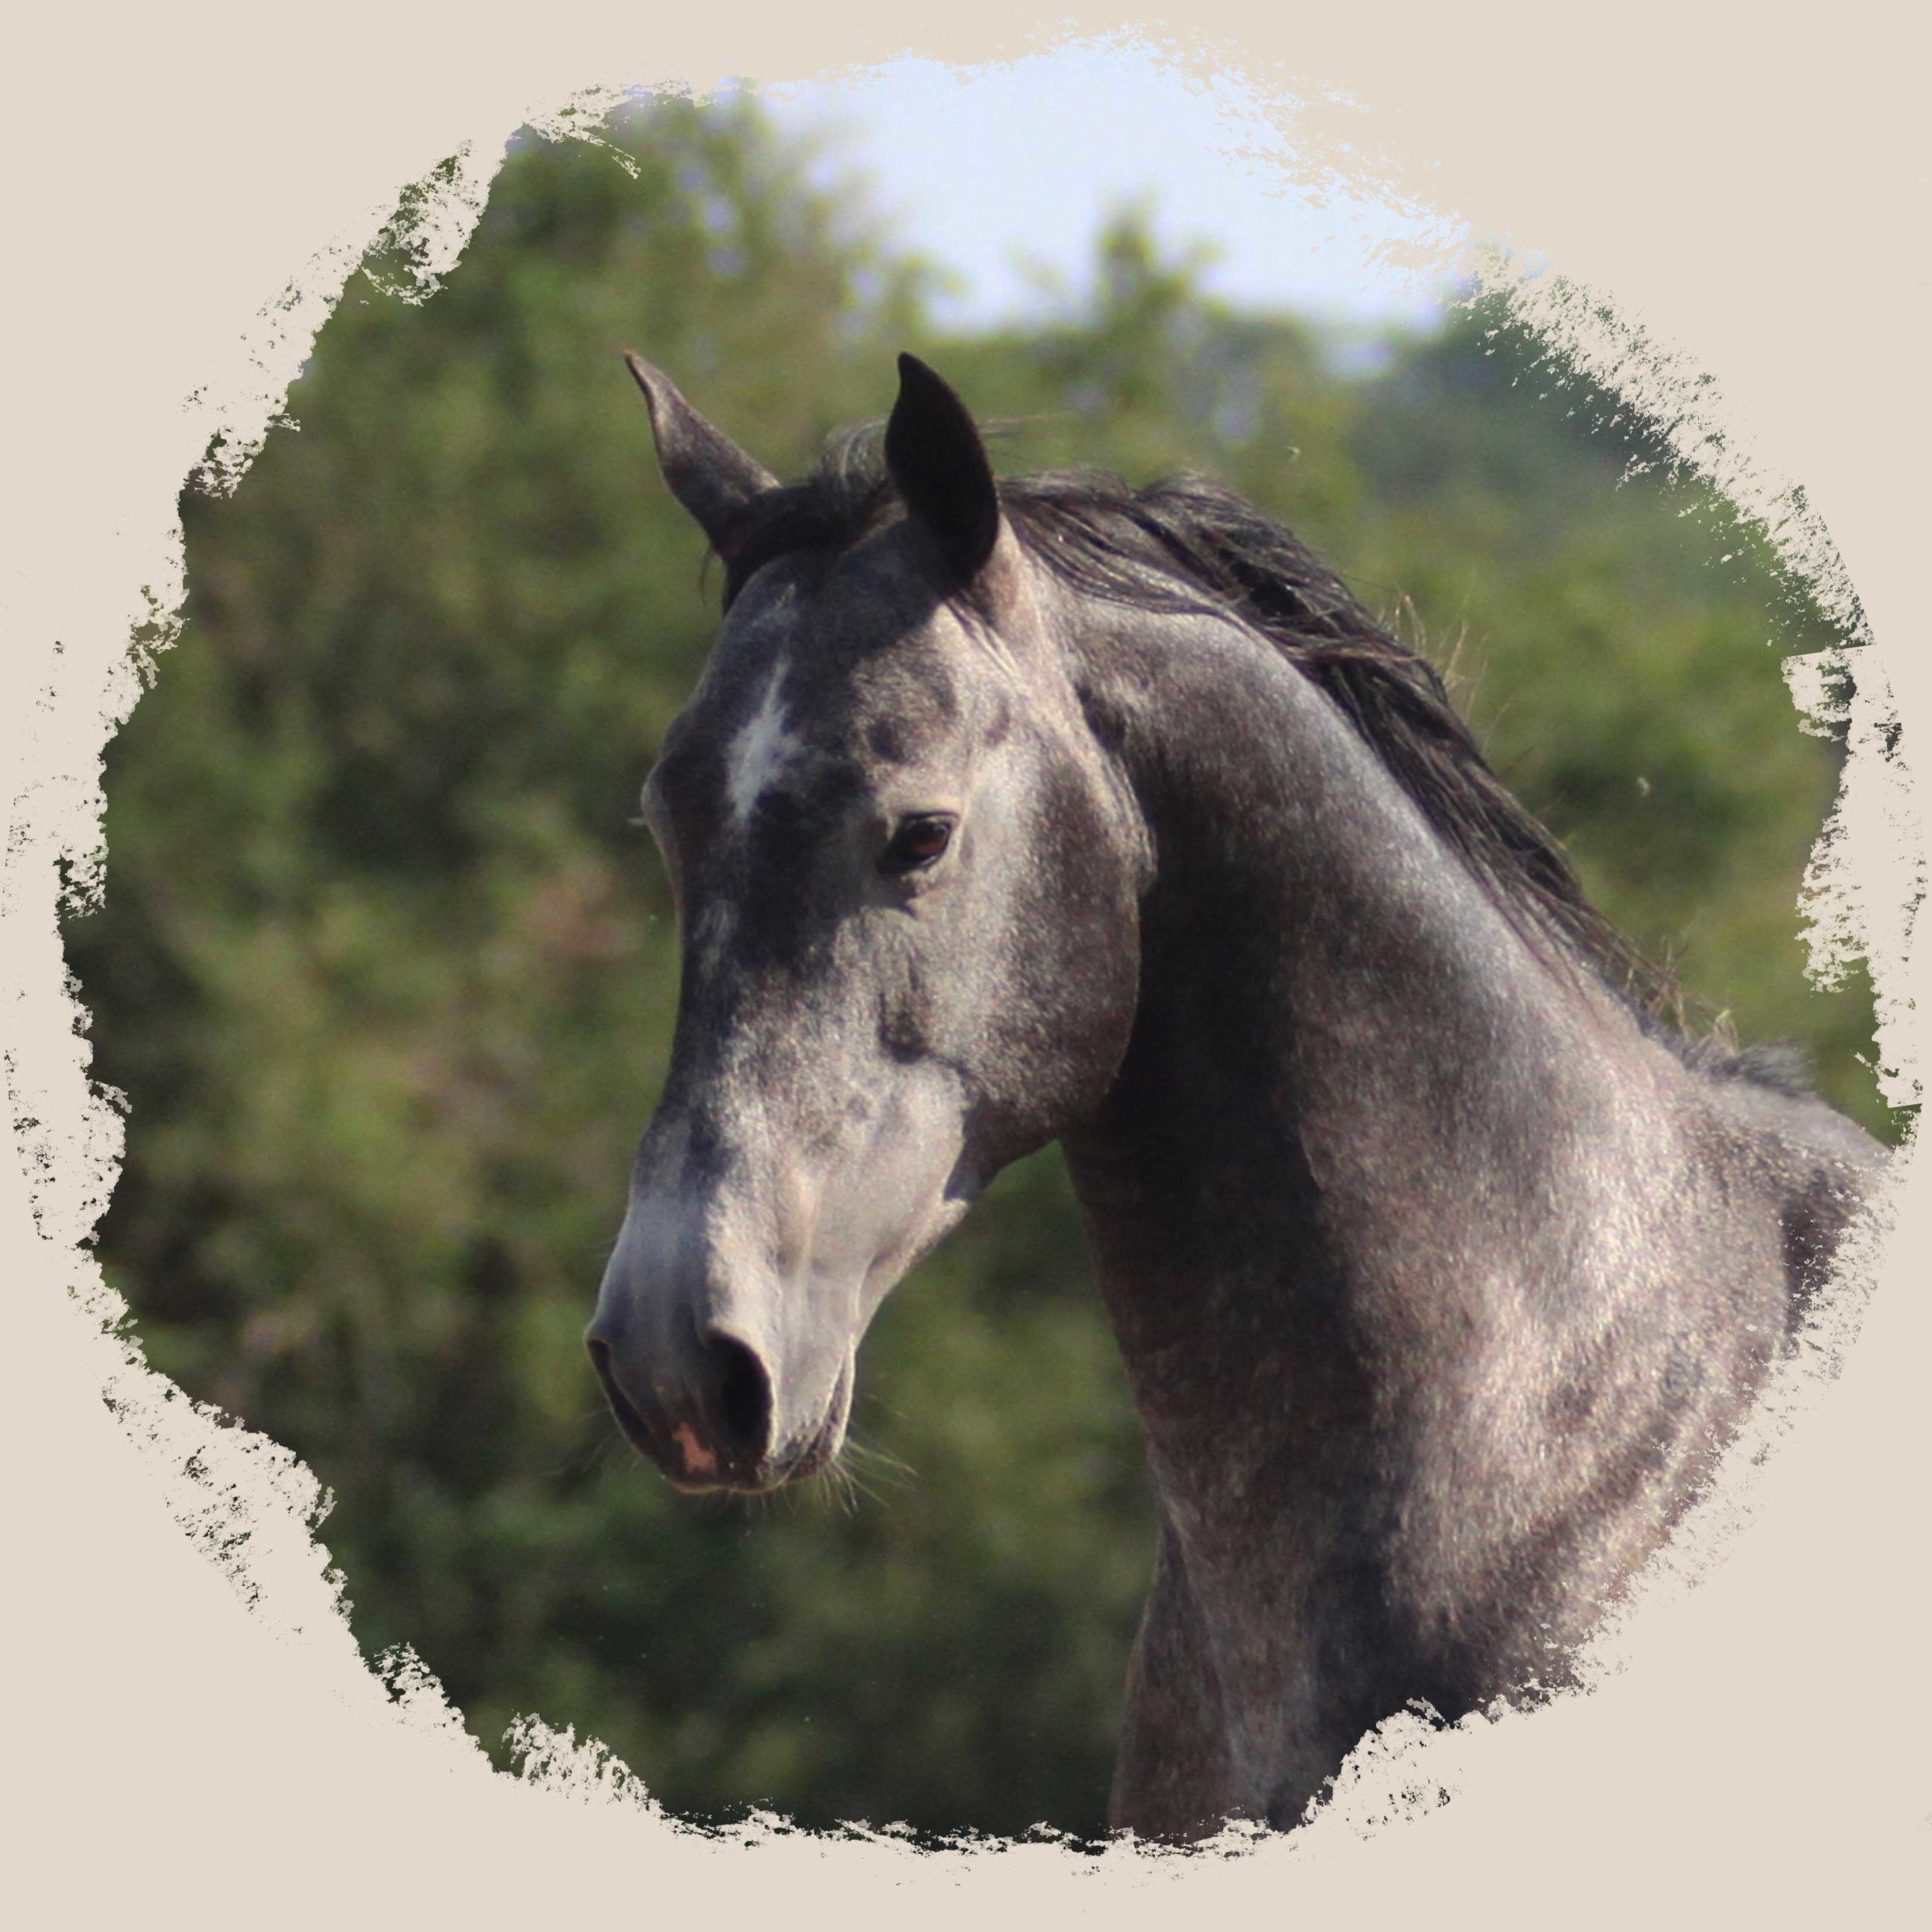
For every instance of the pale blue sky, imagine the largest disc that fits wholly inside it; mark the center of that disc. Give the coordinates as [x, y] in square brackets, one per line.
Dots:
[980, 171]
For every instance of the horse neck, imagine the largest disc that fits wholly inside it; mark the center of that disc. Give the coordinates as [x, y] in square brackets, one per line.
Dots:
[1355, 1093]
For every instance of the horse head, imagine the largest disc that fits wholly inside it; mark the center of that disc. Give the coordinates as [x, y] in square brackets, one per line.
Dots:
[907, 877]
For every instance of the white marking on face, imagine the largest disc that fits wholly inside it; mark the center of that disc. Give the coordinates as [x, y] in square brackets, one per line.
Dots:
[759, 753]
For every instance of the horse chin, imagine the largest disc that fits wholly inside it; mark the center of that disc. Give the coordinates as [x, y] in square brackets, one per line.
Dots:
[822, 1447]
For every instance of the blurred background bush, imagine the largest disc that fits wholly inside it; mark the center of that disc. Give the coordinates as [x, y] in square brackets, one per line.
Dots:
[388, 974]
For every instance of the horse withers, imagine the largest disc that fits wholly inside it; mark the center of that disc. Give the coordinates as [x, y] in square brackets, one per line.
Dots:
[1011, 811]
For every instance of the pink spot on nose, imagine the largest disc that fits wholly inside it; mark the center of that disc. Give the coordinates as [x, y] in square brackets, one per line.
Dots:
[698, 1461]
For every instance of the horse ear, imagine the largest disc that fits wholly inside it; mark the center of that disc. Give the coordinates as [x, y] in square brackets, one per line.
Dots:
[938, 467]
[706, 471]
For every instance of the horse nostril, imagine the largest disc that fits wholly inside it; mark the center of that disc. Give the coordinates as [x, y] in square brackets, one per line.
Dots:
[743, 1394]
[628, 1420]
[600, 1360]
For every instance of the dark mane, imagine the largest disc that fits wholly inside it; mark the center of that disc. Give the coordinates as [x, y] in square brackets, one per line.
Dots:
[1187, 543]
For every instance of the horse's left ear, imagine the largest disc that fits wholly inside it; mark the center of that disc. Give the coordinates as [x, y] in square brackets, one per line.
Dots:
[707, 472]
[938, 467]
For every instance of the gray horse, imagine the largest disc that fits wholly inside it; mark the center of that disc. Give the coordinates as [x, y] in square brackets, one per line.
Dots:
[1016, 811]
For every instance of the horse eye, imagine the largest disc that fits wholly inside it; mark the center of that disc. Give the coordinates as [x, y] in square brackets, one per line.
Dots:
[918, 843]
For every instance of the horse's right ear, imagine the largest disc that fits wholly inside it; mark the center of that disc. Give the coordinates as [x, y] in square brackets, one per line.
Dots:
[938, 467]
[707, 472]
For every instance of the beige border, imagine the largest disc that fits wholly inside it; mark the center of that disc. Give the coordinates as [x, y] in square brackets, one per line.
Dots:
[1760, 1754]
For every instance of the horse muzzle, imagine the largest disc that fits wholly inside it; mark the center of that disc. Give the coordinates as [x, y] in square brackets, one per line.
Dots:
[710, 1417]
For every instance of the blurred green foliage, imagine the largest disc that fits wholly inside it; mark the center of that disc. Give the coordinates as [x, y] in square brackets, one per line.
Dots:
[389, 976]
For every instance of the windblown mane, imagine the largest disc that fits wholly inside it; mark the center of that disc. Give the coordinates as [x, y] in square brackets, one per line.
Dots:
[1187, 543]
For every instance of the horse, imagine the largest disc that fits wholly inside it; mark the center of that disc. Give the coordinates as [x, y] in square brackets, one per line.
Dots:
[1442, 1265]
